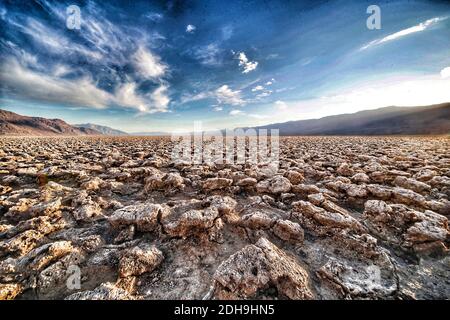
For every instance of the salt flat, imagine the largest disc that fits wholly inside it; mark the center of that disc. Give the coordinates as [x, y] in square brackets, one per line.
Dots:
[117, 218]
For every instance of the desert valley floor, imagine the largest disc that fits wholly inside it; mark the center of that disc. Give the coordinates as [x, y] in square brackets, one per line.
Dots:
[340, 218]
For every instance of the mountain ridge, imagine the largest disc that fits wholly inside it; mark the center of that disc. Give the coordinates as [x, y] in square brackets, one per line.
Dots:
[393, 120]
[13, 124]
[102, 129]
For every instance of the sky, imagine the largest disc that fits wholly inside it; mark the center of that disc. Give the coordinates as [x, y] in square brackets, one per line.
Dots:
[159, 66]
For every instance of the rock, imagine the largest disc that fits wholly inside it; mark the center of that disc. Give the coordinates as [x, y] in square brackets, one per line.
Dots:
[9, 291]
[85, 208]
[106, 291]
[305, 189]
[379, 191]
[412, 184]
[408, 197]
[257, 267]
[191, 222]
[257, 220]
[145, 216]
[345, 170]
[216, 183]
[319, 217]
[247, 182]
[294, 177]
[137, 261]
[288, 231]
[162, 181]
[275, 185]
[360, 178]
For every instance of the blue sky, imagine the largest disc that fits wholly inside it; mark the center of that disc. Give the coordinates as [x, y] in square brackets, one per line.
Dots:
[161, 65]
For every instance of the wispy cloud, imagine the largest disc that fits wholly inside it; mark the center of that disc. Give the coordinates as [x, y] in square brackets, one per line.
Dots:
[207, 55]
[154, 16]
[148, 64]
[20, 81]
[257, 88]
[281, 105]
[394, 36]
[236, 112]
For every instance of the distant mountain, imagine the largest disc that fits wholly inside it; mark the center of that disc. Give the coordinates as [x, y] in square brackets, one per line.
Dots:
[434, 119]
[103, 129]
[153, 134]
[17, 125]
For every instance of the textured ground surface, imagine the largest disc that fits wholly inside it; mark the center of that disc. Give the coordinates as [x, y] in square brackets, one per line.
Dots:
[340, 218]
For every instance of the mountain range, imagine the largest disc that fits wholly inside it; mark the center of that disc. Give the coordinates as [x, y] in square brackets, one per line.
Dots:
[17, 125]
[423, 120]
[102, 129]
[434, 119]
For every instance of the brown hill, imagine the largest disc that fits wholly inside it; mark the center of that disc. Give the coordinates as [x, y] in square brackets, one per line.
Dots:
[434, 119]
[13, 124]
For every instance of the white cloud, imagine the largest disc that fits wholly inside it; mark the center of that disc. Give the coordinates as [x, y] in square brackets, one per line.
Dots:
[28, 84]
[445, 73]
[258, 88]
[148, 64]
[190, 28]
[156, 101]
[281, 105]
[225, 95]
[126, 96]
[246, 65]
[236, 112]
[264, 94]
[218, 108]
[160, 99]
[418, 28]
[258, 116]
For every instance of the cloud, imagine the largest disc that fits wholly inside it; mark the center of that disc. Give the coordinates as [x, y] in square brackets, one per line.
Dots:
[258, 116]
[154, 16]
[225, 95]
[218, 108]
[190, 28]
[227, 32]
[246, 65]
[258, 88]
[157, 101]
[264, 94]
[236, 112]
[445, 73]
[281, 105]
[148, 65]
[160, 99]
[126, 96]
[26, 84]
[53, 40]
[418, 28]
[31, 85]
[208, 55]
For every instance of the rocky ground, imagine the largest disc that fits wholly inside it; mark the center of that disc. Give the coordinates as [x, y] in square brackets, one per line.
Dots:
[340, 218]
